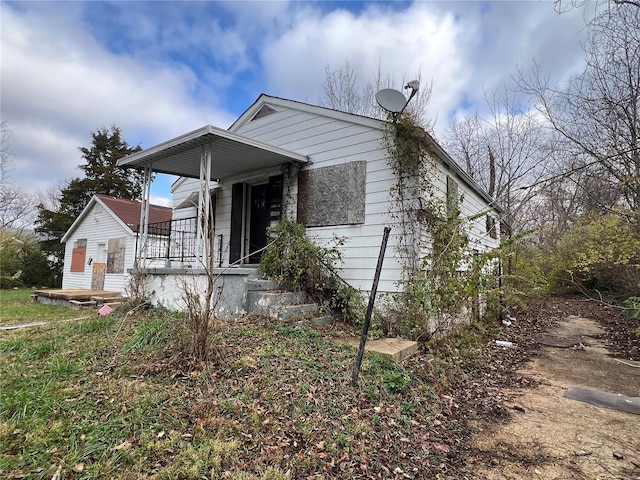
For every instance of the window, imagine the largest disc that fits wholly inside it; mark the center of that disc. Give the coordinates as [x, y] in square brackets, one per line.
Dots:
[78, 255]
[332, 195]
[491, 227]
[115, 255]
[452, 196]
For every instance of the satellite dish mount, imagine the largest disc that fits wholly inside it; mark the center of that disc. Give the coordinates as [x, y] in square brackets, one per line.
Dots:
[394, 101]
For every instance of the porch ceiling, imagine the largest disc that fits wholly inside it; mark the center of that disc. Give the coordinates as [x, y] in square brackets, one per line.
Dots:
[231, 154]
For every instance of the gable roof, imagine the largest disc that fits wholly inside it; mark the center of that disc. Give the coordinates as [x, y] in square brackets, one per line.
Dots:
[129, 211]
[252, 113]
[264, 99]
[125, 212]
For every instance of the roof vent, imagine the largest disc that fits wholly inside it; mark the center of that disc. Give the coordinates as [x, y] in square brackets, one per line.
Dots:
[263, 112]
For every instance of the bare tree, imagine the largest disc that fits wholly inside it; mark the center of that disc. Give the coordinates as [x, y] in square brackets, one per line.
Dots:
[342, 90]
[16, 206]
[506, 153]
[562, 6]
[597, 113]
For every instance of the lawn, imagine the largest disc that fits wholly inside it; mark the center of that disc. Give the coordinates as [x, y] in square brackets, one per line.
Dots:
[116, 397]
[16, 307]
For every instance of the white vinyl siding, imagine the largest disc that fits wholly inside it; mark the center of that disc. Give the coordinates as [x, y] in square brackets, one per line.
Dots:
[98, 228]
[332, 139]
[328, 142]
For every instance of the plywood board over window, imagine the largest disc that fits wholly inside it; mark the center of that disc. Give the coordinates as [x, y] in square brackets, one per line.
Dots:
[78, 255]
[332, 195]
[115, 255]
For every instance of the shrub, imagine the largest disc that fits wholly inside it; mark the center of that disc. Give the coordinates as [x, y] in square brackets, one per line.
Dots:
[600, 252]
[294, 261]
[632, 308]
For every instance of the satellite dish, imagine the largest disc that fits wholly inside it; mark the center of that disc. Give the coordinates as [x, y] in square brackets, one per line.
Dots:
[391, 100]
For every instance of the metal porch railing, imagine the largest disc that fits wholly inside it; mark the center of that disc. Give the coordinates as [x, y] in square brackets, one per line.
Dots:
[174, 239]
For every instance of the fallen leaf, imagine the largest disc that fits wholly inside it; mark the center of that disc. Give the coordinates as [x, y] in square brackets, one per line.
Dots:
[443, 447]
[79, 467]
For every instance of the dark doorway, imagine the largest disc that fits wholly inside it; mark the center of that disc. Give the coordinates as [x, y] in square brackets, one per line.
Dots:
[260, 219]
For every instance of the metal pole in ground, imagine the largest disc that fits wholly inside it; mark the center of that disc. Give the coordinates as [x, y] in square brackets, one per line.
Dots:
[372, 299]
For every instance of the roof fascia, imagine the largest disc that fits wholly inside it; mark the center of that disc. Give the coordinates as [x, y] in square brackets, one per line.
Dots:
[138, 159]
[464, 176]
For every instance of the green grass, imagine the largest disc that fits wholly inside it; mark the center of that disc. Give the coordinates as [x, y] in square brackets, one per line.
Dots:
[16, 307]
[114, 397]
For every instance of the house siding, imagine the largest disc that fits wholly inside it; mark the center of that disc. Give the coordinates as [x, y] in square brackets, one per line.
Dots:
[329, 141]
[97, 227]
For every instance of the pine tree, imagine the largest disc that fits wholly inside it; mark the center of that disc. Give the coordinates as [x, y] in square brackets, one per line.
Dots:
[102, 176]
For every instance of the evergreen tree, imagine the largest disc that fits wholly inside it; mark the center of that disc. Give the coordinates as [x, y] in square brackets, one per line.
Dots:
[102, 176]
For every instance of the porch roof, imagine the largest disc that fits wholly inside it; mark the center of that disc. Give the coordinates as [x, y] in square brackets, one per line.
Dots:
[231, 154]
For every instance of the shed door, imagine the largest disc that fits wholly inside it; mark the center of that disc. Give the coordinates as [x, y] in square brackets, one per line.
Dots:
[98, 269]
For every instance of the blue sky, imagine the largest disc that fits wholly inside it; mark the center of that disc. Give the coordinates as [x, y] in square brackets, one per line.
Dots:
[161, 69]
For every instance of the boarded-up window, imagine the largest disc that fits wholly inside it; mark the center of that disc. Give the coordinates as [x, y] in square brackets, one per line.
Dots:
[453, 197]
[78, 255]
[491, 227]
[115, 255]
[332, 195]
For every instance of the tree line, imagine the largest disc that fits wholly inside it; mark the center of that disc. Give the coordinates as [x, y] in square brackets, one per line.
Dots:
[33, 257]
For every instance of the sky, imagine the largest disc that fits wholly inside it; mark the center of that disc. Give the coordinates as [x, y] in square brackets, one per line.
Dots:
[161, 69]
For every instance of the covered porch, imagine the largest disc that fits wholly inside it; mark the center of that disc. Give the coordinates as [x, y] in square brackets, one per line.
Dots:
[189, 249]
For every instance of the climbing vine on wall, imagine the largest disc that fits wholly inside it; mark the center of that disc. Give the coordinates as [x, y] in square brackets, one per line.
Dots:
[441, 276]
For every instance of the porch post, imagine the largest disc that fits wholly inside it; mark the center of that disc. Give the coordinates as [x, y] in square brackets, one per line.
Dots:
[204, 208]
[144, 218]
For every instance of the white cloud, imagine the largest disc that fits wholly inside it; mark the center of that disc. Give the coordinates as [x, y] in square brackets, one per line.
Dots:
[400, 42]
[59, 84]
[467, 48]
[159, 70]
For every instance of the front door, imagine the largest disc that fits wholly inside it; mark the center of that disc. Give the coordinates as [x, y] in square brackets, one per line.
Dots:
[259, 216]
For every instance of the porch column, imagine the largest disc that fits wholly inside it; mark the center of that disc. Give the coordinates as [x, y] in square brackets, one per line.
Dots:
[203, 245]
[141, 258]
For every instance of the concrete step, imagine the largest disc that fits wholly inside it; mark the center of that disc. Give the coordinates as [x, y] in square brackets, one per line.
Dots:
[322, 321]
[260, 285]
[285, 312]
[393, 348]
[82, 303]
[262, 302]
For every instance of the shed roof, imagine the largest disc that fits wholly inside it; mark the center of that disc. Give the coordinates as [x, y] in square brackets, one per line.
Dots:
[126, 212]
[129, 211]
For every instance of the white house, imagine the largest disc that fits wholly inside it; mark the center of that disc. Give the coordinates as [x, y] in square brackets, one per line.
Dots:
[285, 159]
[101, 243]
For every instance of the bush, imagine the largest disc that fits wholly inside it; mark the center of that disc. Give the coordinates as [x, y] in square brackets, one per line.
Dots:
[600, 252]
[632, 308]
[295, 262]
[22, 262]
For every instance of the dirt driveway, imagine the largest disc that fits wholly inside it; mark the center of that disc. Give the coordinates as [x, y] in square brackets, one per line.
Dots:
[553, 437]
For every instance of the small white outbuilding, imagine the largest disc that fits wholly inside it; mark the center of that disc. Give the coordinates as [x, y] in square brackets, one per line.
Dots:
[101, 243]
